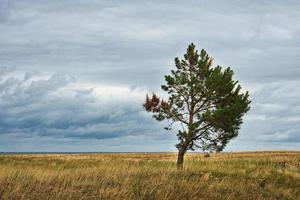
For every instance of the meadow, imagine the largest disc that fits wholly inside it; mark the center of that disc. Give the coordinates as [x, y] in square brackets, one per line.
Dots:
[238, 176]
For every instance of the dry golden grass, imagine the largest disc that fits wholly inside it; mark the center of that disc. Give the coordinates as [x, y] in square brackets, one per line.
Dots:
[258, 175]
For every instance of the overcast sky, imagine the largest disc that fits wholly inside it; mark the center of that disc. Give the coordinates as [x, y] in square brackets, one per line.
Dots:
[74, 73]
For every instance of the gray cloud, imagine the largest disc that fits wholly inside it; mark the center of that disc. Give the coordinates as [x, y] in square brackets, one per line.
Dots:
[34, 106]
[110, 37]
[132, 45]
[274, 120]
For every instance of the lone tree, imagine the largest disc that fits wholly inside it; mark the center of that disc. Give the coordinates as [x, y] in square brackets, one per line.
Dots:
[205, 102]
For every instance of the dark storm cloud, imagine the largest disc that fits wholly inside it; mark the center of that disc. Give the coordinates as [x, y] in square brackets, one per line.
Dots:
[33, 106]
[132, 45]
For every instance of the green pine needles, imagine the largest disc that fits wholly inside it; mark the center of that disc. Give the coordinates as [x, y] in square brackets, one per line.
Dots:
[204, 100]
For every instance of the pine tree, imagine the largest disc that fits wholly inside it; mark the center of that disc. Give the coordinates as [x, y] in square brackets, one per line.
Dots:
[204, 100]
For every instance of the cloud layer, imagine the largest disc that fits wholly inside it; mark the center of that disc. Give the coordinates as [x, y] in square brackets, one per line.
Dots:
[57, 107]
[82, 69]
[274, 119]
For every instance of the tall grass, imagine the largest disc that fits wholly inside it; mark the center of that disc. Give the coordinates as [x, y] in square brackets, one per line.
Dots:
[261, 175]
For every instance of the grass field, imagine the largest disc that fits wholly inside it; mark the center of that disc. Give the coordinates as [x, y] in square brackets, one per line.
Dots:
[260, 175]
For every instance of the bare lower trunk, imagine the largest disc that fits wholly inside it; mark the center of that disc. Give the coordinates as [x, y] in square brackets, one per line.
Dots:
[180, 158]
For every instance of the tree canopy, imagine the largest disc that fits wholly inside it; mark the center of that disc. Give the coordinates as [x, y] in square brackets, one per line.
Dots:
[204, 100]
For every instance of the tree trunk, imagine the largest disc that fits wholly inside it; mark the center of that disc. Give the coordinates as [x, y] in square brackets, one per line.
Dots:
[180, 158]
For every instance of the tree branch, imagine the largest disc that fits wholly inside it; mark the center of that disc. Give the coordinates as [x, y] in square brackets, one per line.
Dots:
[205, 128]
[183, 96]
[175, 117]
